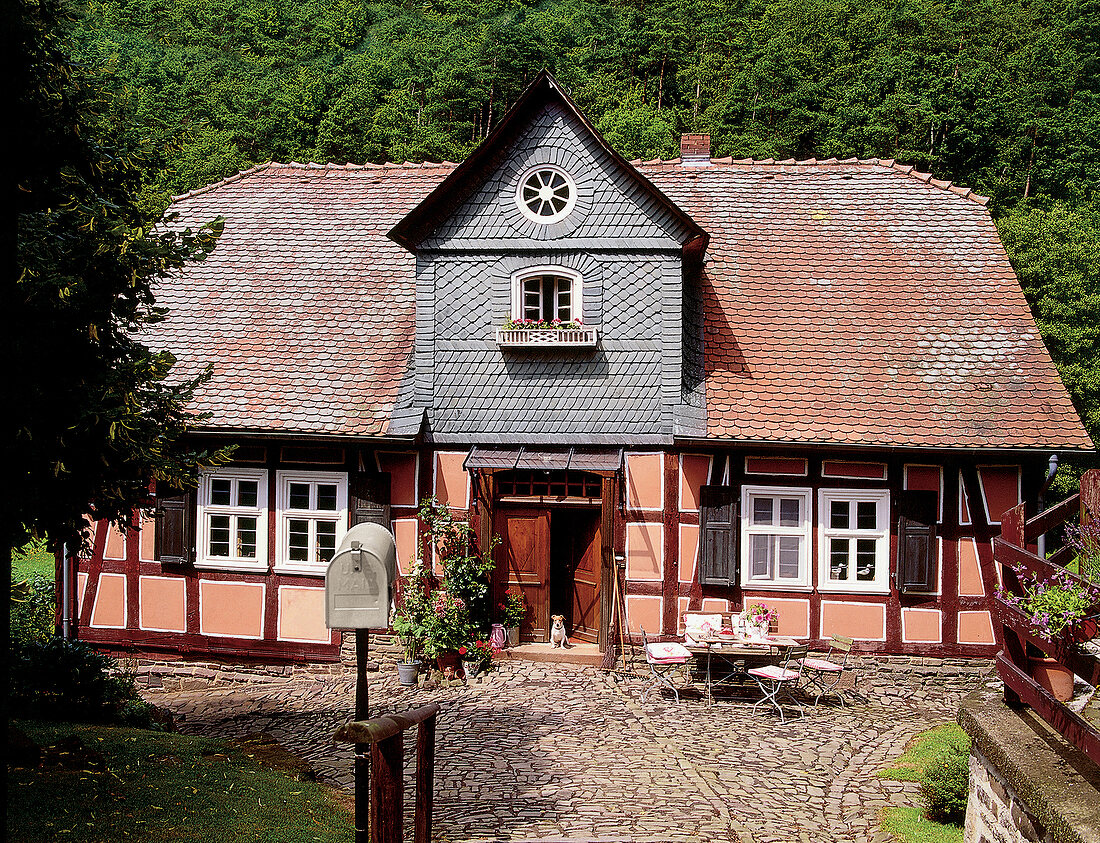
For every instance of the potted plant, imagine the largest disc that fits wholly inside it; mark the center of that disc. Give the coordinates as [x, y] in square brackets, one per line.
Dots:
[447, 630]
[476, 657]
[1054, 607]
[410, 620]
[512, 612]
[759, 618]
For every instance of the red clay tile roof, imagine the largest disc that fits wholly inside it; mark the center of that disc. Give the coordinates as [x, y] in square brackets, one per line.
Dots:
[853, 302]
[861, 303]
[305, 308]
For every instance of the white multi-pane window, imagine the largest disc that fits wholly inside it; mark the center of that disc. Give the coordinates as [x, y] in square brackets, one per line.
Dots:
[545, 294]
[546, 194]
[232, 523]
[313, 516]
[775, 537]
[854, 525]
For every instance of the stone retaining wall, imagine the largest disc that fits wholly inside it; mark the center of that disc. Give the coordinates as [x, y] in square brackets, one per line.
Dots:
[1027, 783]
[877, 678]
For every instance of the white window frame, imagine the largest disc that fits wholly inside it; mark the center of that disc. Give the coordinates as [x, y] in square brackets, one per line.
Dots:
[804, 531]
[881, 583]
[576, 297]
[206, 509]
[283, 479]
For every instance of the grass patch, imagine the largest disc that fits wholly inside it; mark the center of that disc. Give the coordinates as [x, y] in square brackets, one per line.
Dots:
[909, 826]
[922, 750]
[32, 558]
[166, 788]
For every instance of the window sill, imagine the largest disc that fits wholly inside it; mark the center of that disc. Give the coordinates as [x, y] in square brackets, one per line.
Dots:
[300, 571]
[775, 586]
[825, 588]
[548, 337]
[234, 567]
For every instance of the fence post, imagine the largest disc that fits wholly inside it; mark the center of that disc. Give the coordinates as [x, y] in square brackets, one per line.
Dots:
[425, 778]
[387, 762]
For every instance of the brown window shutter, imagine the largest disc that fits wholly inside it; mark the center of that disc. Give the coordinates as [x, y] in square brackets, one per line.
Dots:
[719, 527]
[369, 498]
[174, 542]
[917, 556]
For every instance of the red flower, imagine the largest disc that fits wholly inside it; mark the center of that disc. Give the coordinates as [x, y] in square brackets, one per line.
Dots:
[462, 651]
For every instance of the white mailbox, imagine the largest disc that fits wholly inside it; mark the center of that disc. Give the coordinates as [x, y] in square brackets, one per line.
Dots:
[359, 579]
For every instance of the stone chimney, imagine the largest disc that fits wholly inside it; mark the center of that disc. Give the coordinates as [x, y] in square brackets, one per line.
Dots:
[695, 149]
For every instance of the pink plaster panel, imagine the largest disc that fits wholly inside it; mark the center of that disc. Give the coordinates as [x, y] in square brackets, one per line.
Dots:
[689, 551]
[404, 534]
[920, 626]
[694, 472]
[865, 621]
[109, 609]
[645, 483]
[970, 573]
[402, 470]
[794, 466]
[115, 547]
[855, 470]
[452, 483]
[302, 615]
[147, 539]
[682, 604]
[926, 478]
[794, 615]
[975, 628]
[233, 609]
[81, 588]
[162, 603]
[714, 604]
[643, 613]
[644, 551]
[1000, 488]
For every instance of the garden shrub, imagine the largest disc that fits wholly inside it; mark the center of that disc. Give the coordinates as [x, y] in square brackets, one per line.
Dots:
[32, 610]
[69, 680]
[945, 784]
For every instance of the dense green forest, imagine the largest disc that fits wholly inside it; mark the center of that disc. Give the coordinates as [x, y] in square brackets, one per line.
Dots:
[1000, 95]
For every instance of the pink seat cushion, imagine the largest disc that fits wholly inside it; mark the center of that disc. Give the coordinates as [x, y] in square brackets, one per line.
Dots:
[821, 664]
[667, 652]
[775, 672]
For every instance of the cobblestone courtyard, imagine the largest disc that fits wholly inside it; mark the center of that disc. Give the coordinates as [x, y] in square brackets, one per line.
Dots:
[556, 752]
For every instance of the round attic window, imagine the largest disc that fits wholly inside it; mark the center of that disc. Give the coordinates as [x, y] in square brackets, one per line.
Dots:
[546, 194]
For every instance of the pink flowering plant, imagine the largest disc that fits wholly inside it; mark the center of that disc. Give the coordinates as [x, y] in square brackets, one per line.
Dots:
[448, 624]
[542, 325]
[479, 652]
[1053, 606]
[513, 610]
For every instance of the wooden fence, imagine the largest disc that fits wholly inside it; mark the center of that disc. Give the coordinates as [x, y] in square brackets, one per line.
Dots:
[1014, 551]
[387, 757]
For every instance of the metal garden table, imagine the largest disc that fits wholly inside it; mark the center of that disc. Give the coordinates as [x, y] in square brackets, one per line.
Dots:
[725, 662]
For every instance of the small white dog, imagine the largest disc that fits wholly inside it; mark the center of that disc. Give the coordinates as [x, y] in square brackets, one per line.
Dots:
[558, 638]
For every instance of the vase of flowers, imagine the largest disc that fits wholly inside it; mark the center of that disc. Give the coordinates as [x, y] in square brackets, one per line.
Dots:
[758, 619]
[512, 612]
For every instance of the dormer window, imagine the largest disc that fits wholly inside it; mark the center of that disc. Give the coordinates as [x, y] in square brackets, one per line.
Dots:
[546, 194]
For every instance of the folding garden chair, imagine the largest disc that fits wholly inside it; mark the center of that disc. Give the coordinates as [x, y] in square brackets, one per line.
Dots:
[780, 680]
[823, 675]
[664, 658]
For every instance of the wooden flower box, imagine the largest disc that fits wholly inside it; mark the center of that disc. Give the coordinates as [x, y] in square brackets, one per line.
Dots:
[547, 337]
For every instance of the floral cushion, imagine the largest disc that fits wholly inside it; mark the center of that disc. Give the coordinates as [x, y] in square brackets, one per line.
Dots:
[700, 627]
[774, 672]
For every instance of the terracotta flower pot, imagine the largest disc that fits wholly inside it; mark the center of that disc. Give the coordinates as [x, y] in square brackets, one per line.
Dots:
[448, 664]
[1053, 676]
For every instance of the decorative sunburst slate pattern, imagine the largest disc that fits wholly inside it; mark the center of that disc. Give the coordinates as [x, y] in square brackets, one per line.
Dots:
[861, 303]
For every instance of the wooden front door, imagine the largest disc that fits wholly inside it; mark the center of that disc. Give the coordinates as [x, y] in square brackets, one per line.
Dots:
[586, 580]
[524, 553]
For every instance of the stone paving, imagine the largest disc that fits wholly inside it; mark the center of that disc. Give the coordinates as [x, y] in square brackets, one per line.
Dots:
[555, 752]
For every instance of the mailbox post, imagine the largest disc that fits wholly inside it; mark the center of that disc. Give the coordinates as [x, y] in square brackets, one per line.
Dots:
[358, 593]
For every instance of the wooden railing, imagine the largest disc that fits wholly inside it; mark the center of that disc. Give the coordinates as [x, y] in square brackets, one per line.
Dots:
[387, 755]
[1012, 549]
